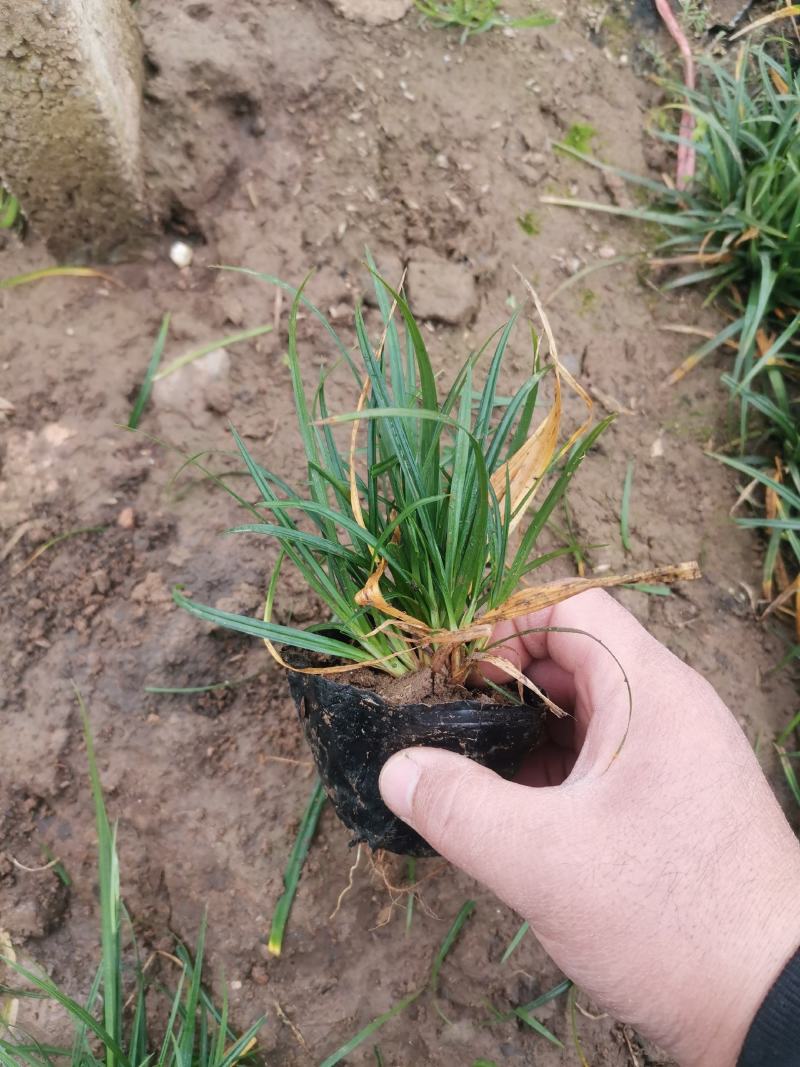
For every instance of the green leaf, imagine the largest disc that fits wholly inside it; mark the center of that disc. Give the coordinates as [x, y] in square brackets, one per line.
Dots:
[515, 940]
[212, 346]
[294, 868]
[624, 513]
[149, 377]
[312, 642]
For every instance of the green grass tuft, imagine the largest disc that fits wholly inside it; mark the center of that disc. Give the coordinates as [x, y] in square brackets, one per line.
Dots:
[736, 232]
[105, 1033]
[578, 137]
[475, 16]
[411, 491]
[9, 210]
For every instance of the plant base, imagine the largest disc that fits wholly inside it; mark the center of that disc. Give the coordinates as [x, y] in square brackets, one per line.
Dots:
[352, 731]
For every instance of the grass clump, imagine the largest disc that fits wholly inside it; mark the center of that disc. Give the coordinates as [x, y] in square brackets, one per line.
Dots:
[475, 16]
[403, 524]
[113, 1026]
[529, 224]
[736, 231]
[9, 209]
[579, 137]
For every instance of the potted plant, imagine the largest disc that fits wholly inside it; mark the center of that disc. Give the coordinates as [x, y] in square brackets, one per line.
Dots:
[417, 525]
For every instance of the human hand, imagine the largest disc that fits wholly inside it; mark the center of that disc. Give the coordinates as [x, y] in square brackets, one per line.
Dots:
[662, 878]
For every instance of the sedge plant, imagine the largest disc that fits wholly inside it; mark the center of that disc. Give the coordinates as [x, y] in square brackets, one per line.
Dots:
[114, 1025]
[403, 523]
[735, 231]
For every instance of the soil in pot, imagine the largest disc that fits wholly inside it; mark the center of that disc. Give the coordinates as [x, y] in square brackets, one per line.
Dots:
[354, 726]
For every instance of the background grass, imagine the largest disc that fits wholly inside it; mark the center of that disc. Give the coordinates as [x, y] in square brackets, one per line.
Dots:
[105, 1034]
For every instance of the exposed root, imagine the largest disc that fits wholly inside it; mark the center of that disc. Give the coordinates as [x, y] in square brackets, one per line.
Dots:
[380, 863]
[348, 887]
[33, 870]
[301, 1041]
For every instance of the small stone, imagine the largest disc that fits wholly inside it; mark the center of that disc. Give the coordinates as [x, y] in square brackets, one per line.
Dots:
[218, 398]
[101, 581]
[126, 519]
[189, 389]
[152, 590]
[181, 254]
[606, 252]
[441, 290]
[259, 975]
[258, 126]
[617, 188]
[372, 12]
[233, 308]
[441, 161]
[56, 434]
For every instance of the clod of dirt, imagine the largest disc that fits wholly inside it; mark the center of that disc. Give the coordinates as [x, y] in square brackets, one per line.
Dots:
[373, 12]
[198, 386]
[441, 290]
[33, 904]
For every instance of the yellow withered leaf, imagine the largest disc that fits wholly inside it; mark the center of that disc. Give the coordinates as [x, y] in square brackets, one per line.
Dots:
[8, 1004]
[523, 472]
[536, 598]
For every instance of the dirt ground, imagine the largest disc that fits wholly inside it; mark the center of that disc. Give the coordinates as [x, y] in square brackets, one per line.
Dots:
[281, 137]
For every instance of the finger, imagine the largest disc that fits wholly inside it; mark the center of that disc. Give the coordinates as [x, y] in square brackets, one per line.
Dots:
[506, 644]
[475, 819]
[549, 765]
[555, 681]
[619, 669]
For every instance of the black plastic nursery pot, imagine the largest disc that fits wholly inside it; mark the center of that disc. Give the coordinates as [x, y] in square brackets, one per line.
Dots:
[352, 731]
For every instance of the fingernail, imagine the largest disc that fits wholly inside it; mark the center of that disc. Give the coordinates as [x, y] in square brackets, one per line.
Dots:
[397, 783]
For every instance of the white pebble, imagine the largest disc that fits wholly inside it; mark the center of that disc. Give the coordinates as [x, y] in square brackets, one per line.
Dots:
[181, 254]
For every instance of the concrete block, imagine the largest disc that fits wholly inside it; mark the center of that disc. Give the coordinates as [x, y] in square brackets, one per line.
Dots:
[70, 97]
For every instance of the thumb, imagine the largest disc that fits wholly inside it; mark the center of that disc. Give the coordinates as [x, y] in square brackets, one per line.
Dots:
[476, 819]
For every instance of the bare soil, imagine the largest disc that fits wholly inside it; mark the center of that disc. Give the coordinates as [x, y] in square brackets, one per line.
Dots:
[281, 137]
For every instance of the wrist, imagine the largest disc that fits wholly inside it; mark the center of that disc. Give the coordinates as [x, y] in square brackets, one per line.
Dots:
[730, 999]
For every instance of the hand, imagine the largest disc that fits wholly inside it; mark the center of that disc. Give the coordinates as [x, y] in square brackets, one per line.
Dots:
[662, 878]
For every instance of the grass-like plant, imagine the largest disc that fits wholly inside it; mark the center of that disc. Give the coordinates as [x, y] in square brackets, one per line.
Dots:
[9, 209]
[736, 231]
[403, 523]
[475, 16]
[737, 227]
[113, 1026]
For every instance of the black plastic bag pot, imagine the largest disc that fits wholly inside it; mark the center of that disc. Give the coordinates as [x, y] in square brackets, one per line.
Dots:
[353, 731]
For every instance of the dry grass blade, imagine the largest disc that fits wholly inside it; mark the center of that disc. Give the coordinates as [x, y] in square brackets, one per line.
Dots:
[765, 20]
[525, 601]
[523, 680]
[8, 1004]
[57, 541]
[56, 272]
